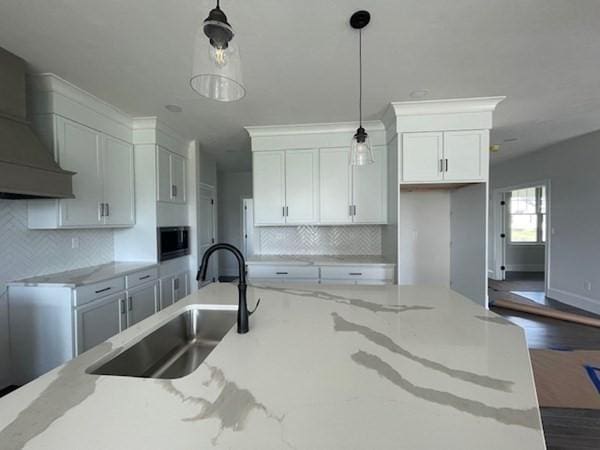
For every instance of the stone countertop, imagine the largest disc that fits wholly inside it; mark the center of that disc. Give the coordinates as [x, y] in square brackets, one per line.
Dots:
[341, 367]
[85, 275]
[318, 260]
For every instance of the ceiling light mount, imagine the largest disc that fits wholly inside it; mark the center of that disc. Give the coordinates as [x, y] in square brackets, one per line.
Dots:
[360, 19]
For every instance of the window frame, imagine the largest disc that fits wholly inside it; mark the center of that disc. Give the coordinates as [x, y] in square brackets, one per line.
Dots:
[539, 190]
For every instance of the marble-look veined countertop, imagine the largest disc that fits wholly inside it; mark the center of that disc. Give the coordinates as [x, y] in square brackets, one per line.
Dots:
[319, 260]
[85, 275]
[327, 367]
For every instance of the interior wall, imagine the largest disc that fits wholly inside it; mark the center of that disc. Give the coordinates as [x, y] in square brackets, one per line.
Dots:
[232, 188]
[425, 238]
[25, 253]
[571, 167]
[389, 238]
[525, 258]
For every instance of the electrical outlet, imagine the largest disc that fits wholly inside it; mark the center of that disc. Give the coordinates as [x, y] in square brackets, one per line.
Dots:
[588, 286]
[75, 242]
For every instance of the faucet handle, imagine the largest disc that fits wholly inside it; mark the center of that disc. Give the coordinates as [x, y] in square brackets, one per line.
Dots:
[255, 308]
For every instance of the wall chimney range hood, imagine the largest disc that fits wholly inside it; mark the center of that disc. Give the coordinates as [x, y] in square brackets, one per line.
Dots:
[27, 168]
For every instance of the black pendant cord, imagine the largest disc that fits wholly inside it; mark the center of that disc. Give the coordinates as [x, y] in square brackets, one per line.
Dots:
[360, 77]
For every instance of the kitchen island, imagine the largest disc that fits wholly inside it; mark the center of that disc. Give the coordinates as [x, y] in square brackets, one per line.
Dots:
[323, 367]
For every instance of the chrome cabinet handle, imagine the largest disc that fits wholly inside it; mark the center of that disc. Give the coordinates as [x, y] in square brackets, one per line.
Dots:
[355, 273]
[281, 273]
[283, 211]
[287, 211]
[123, 307]
[107, 209]
[144, 277]
[173, 190]
[103, 290]
[130, 303]
[176, 283]
[101, 208]
[446, 165]
[354, 209]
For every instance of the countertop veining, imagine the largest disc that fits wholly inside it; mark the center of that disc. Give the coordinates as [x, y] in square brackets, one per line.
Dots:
[85, 275]
[323, 367]
[319, 260]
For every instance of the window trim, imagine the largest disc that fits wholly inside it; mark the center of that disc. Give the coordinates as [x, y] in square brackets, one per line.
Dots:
[538, 208]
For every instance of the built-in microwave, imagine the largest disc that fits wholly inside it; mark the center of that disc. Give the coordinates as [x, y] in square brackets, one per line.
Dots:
[173, 242]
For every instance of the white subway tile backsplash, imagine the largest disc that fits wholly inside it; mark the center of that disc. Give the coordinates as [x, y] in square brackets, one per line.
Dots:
[319, 240]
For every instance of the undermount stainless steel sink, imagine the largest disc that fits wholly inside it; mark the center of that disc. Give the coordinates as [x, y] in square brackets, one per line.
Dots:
[175, 349]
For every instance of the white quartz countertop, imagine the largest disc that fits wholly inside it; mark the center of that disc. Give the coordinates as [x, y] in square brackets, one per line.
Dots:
[85, 275]
[319, 260]
[341, 367]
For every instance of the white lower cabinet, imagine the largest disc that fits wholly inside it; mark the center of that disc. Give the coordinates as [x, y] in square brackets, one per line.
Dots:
[51, 324]
[174, 288]
[330, 274]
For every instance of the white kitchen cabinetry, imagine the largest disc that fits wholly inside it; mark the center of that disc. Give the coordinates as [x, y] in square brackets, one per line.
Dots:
[326, 274]
[74, 319]
[449, 156]
[269, 188]
[171, 177]
[103, 184]
[369, 190]
[336, 186]
[174, 288]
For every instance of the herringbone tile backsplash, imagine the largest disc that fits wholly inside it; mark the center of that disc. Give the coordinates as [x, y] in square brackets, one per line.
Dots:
[25, 252]
[314, 240]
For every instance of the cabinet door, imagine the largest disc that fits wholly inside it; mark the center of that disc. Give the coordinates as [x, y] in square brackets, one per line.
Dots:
[180, 289]
[369, 189]
[79, 151]
[166, 292]
[177, 179]
[269, 188]
[301, 186]
[118, 182]
[422, 157]
[463, 155]
[163, 163]
[142, 303]
[100, 320]
[334, 185]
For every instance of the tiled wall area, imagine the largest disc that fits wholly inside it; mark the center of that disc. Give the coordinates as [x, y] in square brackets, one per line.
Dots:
[25, 252]
[319, 240]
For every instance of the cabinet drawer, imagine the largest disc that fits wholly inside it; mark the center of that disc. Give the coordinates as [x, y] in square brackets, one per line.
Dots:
[86, 294]
[137, 278]
[283, 272]
[356, 273]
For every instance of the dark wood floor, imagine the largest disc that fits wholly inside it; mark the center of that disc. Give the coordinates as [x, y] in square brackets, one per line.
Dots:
[572, 429]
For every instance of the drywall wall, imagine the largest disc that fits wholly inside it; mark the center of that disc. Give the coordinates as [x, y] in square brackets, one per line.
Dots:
[425, 238]
[389, 235]
[571, 167]
[25, 252]
[525, 258]
[232, 188]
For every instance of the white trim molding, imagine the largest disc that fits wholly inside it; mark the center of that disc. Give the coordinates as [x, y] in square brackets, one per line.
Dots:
[576, 300]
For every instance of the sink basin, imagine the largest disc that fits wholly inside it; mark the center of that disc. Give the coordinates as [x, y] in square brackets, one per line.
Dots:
[175, 349]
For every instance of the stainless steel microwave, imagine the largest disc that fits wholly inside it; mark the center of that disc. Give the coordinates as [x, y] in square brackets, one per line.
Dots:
[173, 242]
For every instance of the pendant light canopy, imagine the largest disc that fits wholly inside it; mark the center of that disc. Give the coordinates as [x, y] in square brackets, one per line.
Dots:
[361, 152]
[217, 69]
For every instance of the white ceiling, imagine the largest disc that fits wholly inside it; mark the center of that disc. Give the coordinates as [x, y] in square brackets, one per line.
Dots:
[299, 60]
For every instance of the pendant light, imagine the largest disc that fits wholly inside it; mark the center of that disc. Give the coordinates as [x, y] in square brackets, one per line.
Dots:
[360, 153]
[217, 68]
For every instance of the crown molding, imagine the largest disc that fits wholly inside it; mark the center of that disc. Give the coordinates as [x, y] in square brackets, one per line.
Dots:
[447, 106]
[311, 128]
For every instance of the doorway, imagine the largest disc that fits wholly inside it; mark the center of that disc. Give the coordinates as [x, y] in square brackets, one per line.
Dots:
[521, 241]
[207, 227]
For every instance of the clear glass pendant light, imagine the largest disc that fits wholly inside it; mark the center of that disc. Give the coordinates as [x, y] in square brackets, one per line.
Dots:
[360, 152]
[217, 67]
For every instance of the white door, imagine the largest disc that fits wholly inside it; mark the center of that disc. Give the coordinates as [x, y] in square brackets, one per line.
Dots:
[100, 320]
[370, 190]
[334, 185]
[79, 151]
[118, 178]
[166, 292]
[163, 174]
[422, 157]
[207, 231]
[269, 188]
[463, 155]
[142, 303]
[301, 186]
[177, 179]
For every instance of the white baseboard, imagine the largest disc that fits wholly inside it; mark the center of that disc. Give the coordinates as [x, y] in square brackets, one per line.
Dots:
[578, 301]
[524, 267]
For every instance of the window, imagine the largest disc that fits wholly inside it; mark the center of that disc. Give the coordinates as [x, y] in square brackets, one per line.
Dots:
[527, 215]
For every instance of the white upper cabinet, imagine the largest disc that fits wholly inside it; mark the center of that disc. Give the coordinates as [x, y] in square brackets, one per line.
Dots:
[79, 150]
[268, 176]
[335, 186]
[369, 190]
[171, 177]
[449, 156]
[301, 186]
[103, 184]
[464, 155]
[422, 155]
[118, 182]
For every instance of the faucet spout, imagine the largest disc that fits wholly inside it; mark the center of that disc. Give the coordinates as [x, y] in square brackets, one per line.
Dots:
[243, 314]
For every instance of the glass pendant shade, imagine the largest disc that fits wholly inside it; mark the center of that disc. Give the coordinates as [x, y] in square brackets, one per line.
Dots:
[361, 153]
[217, 66]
